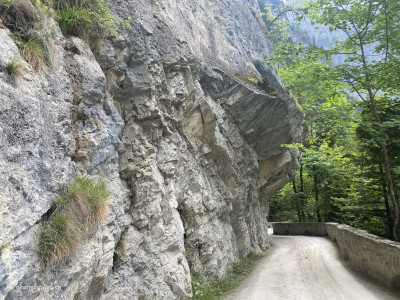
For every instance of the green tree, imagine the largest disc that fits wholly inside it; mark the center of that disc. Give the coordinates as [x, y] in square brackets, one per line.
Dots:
[329, 119]
[371, 66]
[370, 70]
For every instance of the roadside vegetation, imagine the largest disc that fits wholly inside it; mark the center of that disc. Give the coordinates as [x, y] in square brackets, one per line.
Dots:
[213, 289]
[350, 167]
[76, 213]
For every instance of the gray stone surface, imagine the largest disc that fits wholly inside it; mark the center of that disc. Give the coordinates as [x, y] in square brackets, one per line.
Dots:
[376, 257]
[190, 150]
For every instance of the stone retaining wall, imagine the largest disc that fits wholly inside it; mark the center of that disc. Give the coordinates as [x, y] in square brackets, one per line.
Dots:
[374, 256]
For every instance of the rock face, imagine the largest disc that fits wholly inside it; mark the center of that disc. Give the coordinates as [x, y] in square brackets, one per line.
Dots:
[190, 149]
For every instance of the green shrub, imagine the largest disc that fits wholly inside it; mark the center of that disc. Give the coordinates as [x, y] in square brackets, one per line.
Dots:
[18, 16]
[75, 20]
[88, 19]
[77, 211]
[14, 66]
[34, 52]
[5, 5]
[42, 5]
[214, 289]
[24, 19]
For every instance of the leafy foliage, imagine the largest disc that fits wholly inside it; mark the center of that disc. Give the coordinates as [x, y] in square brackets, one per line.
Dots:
[350, 157]
[277, 26]
[73, 20]
[84, 18]
[90, 18]
[281, 20]
[5, 5]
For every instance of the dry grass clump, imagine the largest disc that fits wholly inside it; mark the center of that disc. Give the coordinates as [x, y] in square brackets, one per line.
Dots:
[252, 79]
[78, 211]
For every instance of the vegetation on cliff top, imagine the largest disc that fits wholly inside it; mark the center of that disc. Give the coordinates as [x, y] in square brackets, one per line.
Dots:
[88, 19]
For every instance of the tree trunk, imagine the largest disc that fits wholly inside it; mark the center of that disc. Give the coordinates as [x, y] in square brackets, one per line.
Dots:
[326, 200]
[395, 204]
[396, 195]
[385, 196]
[316, 197]
[297, 200]
[389, 177]
[383, 146]
[302, 195]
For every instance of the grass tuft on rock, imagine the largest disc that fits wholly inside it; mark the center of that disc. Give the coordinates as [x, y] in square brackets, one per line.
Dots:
[77, 211]
[213, 289]
[87, 18]
[14, 66]
[34, 52]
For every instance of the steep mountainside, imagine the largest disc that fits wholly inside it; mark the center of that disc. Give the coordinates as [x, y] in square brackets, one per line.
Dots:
[164, 114]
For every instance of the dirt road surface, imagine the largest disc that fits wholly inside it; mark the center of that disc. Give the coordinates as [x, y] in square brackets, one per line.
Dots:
[306, 268]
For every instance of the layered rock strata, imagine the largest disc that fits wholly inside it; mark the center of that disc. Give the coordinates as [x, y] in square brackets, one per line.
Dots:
[190, 150]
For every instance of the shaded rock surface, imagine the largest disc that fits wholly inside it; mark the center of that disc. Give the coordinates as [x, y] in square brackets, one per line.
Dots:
[190, 150]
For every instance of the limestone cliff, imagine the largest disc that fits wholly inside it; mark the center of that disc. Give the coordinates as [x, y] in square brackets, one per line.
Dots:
[163, 113]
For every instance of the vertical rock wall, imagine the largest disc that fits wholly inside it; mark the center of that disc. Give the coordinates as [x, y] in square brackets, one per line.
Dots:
[163, 113]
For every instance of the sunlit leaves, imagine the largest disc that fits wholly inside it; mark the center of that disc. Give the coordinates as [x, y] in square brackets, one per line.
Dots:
[343, 176]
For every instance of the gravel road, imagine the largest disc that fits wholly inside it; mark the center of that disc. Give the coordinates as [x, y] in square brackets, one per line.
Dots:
[306, 268]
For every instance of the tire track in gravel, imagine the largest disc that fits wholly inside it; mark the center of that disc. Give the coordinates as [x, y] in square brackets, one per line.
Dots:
[306, 268]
